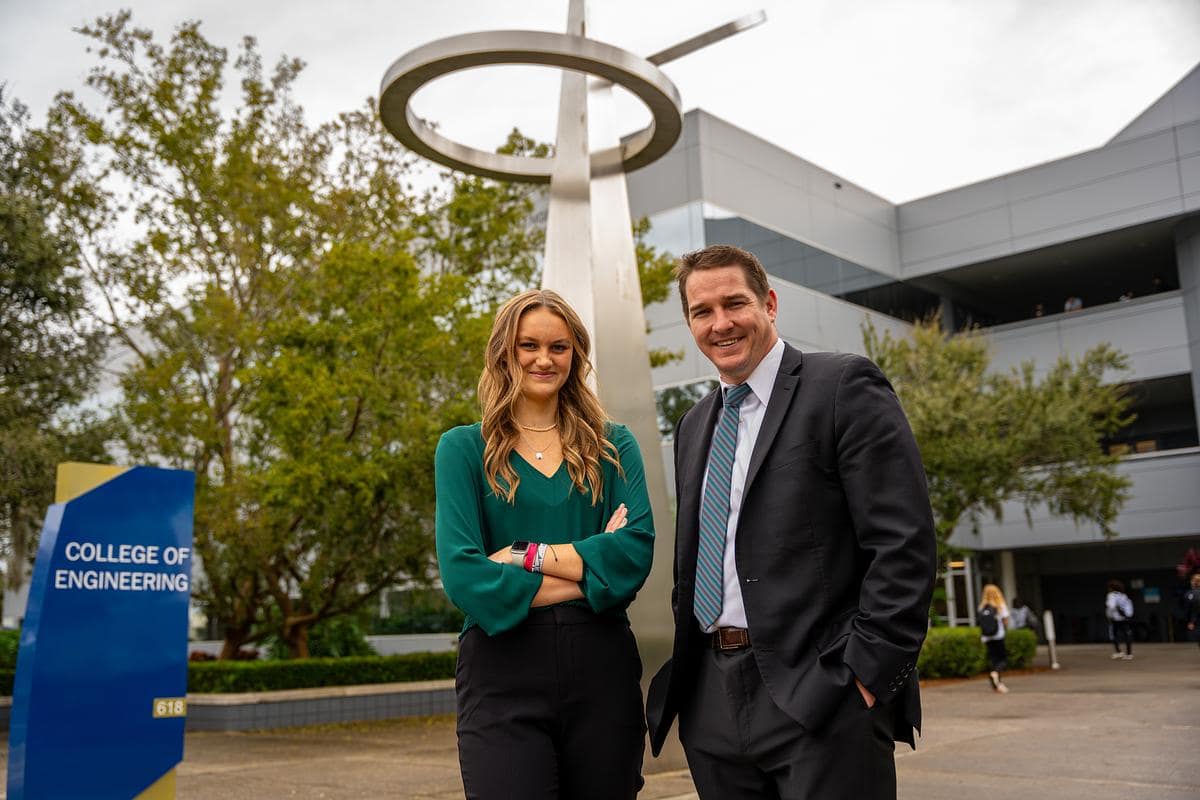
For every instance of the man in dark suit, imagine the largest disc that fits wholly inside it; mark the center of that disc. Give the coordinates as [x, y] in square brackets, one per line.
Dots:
[804, 559]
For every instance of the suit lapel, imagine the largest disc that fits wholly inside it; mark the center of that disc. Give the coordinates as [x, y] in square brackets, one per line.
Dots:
[782, 394]
[695, 438]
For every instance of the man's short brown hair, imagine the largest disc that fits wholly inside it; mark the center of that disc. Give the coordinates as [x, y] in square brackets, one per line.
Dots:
[722, 255]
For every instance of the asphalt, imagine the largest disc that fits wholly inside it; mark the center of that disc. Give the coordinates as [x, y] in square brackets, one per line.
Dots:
[1096, 728]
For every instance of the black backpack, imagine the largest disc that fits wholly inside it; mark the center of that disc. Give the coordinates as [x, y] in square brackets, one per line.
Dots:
[989, 624]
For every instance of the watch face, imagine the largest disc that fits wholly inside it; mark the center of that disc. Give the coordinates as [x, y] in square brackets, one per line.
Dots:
[520, 547]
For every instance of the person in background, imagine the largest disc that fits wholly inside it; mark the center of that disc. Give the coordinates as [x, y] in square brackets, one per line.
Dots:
[993, 607]
[1073, 303]
[544, 535]
[1192, 600]
[1023, 616]
[1126, 296]
[1118, 608]
[1039, 310]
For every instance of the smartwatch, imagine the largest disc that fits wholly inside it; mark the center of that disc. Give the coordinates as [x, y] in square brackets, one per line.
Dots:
[518, 553]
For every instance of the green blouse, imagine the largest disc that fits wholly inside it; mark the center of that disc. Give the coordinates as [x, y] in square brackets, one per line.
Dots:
[473, 522]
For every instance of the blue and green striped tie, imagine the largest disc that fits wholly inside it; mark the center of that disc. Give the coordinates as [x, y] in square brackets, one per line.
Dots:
[714, 510]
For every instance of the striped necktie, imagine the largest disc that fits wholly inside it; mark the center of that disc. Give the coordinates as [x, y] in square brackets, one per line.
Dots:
[714, 510]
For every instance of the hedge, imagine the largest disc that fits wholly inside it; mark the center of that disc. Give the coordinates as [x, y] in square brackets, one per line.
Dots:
[223, 677]
[958, 652]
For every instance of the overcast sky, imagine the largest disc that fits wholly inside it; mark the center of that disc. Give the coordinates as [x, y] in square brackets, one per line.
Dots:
[903, 97]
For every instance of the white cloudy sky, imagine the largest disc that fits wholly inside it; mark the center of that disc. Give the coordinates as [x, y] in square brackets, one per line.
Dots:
[904, 97]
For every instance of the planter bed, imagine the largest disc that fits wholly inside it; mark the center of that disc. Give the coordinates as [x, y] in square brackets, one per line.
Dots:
[291, 707]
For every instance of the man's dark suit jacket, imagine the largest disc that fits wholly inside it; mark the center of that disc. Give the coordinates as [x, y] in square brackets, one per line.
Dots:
[835, 546]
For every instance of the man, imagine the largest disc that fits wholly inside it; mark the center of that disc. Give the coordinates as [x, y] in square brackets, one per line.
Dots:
[804, 559]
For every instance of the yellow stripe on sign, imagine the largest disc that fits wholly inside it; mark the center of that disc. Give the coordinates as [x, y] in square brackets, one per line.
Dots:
[75, 478]
[161, 789]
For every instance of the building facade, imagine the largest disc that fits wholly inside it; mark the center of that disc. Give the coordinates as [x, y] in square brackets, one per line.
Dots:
[1101, 246]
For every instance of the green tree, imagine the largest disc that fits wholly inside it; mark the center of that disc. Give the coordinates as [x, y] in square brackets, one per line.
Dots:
[49, 353]
[988, 437]
[656, 270]
[303, 322]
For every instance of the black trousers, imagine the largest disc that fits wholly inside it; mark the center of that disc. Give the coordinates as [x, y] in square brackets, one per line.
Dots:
[1122, 631]
[739, 744]
[997, 655]
[551, 709]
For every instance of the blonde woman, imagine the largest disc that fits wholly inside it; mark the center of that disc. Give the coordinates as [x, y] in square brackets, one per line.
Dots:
[993, 621]
[544, 536]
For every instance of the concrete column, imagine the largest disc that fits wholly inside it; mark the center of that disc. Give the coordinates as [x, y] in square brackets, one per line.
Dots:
[946, 313]
[1187, 256]
[1008, 575]
[951, 599]
[970, 577]
[14, 605]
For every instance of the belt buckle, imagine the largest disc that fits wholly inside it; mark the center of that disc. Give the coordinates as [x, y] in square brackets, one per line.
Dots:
[731, 638]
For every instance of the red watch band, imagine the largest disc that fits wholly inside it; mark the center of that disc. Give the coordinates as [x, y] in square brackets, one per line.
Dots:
[530, 555]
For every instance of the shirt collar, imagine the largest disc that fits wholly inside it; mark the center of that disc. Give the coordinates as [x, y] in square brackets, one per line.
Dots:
[762, 379]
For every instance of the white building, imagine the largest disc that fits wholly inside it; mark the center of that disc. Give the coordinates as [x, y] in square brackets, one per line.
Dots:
[1124, 217]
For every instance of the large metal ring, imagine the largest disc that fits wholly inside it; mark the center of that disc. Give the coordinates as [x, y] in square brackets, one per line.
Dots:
[413, 70]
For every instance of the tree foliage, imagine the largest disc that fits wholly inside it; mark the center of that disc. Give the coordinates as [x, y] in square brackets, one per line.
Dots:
[49, 352]
[988, 437]
[303, 321]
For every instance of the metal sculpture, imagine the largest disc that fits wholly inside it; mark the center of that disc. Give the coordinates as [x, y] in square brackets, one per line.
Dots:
[590, 257]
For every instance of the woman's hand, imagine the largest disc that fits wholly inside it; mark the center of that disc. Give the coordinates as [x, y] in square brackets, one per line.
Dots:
[502, 556]
[617, 520]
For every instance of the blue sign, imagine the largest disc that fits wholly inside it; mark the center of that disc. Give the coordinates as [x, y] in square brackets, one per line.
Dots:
[100, 693]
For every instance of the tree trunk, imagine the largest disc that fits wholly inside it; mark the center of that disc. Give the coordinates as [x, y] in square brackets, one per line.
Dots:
[234, 639]
[296, 637]
[235, 636]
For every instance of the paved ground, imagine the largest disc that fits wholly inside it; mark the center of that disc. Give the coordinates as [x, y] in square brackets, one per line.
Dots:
[1095, 729]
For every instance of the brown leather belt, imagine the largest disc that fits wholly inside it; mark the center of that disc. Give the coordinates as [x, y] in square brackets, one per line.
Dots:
[730, 638]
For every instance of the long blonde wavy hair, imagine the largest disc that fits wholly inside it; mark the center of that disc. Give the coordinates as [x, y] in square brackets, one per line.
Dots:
[581, 419]
[992, 596]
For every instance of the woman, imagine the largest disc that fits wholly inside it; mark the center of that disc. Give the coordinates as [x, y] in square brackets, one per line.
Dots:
[993, 620]
[544, 535]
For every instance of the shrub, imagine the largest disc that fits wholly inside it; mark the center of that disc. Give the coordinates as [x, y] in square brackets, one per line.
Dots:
[338, 637]
[951, 653]
[958, 652]
[10, 642]
[221, 677]
[419, 611]
[1020, 646]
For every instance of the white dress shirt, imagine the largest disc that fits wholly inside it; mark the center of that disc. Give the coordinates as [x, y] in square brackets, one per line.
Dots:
[753, 409]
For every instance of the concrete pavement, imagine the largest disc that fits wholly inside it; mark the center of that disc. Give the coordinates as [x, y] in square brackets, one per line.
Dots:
[1095, 729]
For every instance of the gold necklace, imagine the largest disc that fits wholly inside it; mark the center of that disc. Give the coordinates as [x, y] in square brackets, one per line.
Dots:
[537, 454]
[549, 427]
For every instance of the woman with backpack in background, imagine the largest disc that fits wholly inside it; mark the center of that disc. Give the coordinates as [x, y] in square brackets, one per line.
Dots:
[993, 619]
[1119, 610]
